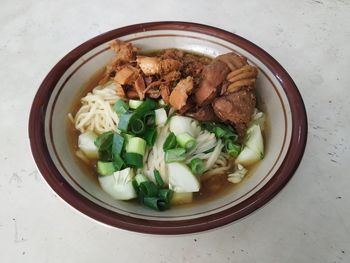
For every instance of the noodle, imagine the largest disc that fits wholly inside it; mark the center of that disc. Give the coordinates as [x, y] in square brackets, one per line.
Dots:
[155, 156]
[96, 113]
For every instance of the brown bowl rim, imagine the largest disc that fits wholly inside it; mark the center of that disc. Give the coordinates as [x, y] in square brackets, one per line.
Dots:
[71, 196]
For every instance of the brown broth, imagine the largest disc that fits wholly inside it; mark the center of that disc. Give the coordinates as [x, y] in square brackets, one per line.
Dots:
[214, 187]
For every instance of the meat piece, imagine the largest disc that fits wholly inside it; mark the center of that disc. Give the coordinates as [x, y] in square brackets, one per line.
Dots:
[189, 105]
[236, 108]
[193, 65]
[212, 76]
[126, 75]
[179, 95]
[232, 60]
[107, 75]
[171, 76]
[149, 65]
[157, 66]
[120, 91]
[205, 113]
[132, 94]
[125, 51]
[140, 87]
[172, 53]
[165, 92]
[168, 65]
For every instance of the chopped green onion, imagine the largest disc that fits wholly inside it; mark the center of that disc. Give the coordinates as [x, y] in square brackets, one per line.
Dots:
[136, 145]
[169, 117]
[105, 156]
[149, 118]
[155, 203]
[165, 194]
[197, 166]
[127, 136]
[186, 141]
[145, 107]
[105, 168]
[117, 144]
[134, 104]
[137, 126]
[160, 116]
[232, 149]
[161, 103]
[158, 178]
[138, 179]
[124, 121]
[150, 136]
[133, 160]
[175, 155]
[104, 141]
[120, 107]
[118, 162]
[220, 130]
[148, 189]
[170, 142]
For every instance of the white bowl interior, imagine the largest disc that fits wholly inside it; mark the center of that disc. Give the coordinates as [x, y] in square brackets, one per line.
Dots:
[273, 102]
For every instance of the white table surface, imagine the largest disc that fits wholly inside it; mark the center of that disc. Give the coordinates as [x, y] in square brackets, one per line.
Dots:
[309, 221]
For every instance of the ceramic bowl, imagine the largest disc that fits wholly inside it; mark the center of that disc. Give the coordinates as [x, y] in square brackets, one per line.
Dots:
[278, 97]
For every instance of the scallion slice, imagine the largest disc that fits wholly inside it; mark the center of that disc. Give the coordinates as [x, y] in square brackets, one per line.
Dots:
[232, 149]
[124, 121]
[155, 203]
[165, 194]
[136, 145]
[105, 168]
[120, 107]
[117, 144]
[118, 162]
[104, 141]
[146, 106]
[148, 189]
[150, 136]
[138, 179]
[133, 160]
[158, 178]
[197, 166]
[170, 142]
[186, 141]
[137, 126]
[134, 104]
[175, 155]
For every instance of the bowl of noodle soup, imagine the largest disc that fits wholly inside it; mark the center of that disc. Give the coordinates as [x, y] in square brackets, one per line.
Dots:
[62, 110]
